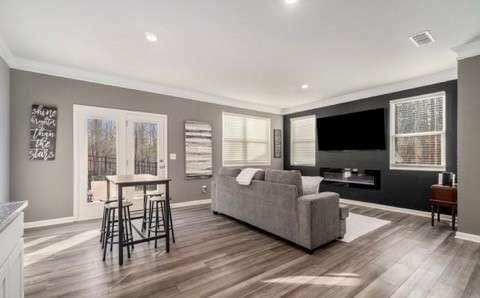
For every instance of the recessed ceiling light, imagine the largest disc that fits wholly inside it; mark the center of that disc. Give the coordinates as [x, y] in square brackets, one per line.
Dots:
[151, 37]
[291, 1]
[305, 86]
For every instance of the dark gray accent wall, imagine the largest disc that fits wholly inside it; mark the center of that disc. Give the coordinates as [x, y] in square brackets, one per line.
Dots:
[406, 189]
[48, 185]
[4, 131]
[469, 145]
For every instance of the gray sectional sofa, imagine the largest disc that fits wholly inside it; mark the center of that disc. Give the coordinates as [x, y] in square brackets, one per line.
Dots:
[275, 202]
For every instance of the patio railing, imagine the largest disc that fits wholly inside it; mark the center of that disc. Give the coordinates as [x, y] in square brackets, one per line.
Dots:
[99, 166]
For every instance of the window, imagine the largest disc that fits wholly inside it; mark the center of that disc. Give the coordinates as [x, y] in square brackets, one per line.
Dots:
[302, 136]
[417, 133]
[246, 140]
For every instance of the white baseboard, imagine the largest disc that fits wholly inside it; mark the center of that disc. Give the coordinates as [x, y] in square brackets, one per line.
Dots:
[64, 220]
[191, 203]
[468, 237]
[458, 235]
[393, 209]
[49, 222]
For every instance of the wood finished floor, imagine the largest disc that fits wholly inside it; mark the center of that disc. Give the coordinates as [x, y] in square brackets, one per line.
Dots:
[220, 257]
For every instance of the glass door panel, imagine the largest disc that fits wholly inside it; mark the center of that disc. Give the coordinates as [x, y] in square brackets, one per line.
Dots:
[146, 150]
[102, 157]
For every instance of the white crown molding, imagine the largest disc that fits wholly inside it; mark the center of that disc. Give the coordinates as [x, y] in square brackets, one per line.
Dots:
[470, 49]
[5, 53]
[468, 237]
[117, 81]
[438, 77]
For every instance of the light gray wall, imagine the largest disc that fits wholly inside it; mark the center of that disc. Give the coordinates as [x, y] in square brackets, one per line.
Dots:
[4, 131]
[48, 185]
[469, 145]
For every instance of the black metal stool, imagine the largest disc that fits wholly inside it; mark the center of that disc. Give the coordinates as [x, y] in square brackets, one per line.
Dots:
[104, 217]
[146, 197]
[157, 205]
[111, 226]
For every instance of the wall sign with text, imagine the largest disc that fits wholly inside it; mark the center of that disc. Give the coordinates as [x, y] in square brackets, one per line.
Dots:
[43, 132]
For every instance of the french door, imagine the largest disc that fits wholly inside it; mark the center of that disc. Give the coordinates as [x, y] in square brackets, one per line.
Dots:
[114, 142]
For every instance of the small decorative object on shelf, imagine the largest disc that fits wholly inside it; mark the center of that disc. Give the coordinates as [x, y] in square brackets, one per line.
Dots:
[447, 179]
[443, 196]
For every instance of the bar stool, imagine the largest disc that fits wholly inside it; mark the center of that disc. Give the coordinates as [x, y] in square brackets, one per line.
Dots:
[111, 226]
[169, 216]
[104, 217]
[157, 205]
[146, 197]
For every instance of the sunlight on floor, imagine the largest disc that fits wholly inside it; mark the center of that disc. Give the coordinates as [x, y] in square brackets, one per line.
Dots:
[337, 279]
[43, 253]
[37, 241]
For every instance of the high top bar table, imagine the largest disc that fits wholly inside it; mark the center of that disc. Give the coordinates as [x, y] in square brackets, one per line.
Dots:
[122, 181]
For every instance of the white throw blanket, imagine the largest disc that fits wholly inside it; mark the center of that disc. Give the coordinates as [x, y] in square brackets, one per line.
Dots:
[246, 175]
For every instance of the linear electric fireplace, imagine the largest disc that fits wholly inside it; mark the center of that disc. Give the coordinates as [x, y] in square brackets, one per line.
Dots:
[351, 177]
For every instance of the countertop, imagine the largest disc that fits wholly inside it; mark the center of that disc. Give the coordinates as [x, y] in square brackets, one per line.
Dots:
[9, 211]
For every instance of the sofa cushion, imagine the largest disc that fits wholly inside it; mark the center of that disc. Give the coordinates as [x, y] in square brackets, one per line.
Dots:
[285, 177]
[260, 175]
[230, 172]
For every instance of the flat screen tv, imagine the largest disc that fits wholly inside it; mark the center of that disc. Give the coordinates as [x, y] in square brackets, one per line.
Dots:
[355, 131]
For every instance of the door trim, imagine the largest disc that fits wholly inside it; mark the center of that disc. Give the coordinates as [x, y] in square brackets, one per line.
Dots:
[78, 111]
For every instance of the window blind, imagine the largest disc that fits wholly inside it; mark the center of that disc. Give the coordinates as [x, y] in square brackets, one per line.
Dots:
[302, 134]
[246, 140]
[418, 133]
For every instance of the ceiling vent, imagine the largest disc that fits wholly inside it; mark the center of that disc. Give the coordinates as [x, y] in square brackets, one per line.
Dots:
[422, 39]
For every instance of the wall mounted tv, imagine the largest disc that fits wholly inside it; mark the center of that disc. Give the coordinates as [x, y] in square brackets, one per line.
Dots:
[356, 131]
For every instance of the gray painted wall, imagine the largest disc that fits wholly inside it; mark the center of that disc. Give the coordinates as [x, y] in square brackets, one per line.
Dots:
[48, 186]
[4, 131]
[469, 145]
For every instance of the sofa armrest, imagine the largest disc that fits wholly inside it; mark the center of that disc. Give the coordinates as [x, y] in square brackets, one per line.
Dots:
[319, 218]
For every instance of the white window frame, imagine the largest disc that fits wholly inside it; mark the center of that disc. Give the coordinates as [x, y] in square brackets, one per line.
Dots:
[292, 137]
[443, 133]
[245, 160]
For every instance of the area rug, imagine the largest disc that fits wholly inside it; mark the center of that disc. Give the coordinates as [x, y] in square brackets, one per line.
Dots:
[359, 225]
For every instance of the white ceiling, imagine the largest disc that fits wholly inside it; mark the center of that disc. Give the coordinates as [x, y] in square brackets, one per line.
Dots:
[259, 51]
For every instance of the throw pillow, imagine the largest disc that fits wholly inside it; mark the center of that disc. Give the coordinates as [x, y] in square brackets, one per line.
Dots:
[285, 177]
[311, 184]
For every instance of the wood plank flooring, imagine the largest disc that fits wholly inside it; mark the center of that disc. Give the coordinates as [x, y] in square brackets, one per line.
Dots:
[216, 256]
